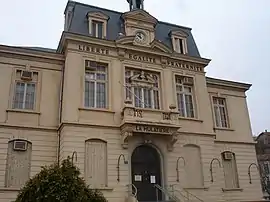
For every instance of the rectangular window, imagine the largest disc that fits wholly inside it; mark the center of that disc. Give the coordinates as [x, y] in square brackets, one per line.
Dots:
[24, 91]
[97, 29]
[179, 45]
[143, 88]
[230, 170]
[220, 112]
[96, 81]
[184, 94]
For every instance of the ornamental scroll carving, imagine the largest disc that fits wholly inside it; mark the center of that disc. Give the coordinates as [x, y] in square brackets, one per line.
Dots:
[169, 133]
[173, 139]
[126, 133]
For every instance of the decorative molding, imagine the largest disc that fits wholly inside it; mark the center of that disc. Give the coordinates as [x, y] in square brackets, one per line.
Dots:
[230, 84]
[98, 15]
[172, 141]
[140, 15]
[126, 133]
[143, 80]
[160, 46]
[179, 33]
[182, 65]
[125, 40]
[130, 129]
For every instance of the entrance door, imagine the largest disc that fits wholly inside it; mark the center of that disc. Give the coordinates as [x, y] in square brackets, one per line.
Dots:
[146, 172]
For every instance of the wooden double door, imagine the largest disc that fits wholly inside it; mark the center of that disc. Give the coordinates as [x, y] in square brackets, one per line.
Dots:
[146, 172]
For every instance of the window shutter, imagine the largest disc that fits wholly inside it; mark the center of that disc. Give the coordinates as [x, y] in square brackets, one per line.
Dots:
[96, 163]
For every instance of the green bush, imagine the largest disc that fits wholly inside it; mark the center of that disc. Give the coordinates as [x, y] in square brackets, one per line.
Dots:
[58, 184]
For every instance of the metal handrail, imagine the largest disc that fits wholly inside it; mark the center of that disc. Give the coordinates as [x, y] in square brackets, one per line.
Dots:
[188, 194]
[171, 196]
[135, 188]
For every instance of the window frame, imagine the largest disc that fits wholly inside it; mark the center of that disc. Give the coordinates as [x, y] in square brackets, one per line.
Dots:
[177, 36]
[142, 89]
[192, 93]
[225, 110]
[98, 17]
[36, 82]
[106, 81]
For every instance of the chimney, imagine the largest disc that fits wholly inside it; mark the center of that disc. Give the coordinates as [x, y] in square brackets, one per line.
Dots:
[68, 14]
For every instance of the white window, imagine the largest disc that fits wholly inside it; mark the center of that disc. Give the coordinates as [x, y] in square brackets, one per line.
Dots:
[184, 93]
[230, 170]
[220, 112]
[96, 81]
[25, 91]
[179, 41]
[179, 45]
[143, 88]
[97, 29]
[96, 163]
[18, 163]
[97, 24]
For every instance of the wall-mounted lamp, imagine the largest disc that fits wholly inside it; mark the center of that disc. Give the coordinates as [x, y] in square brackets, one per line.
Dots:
[211, 167]
[177, 167]
[118, 165]
[249, 175]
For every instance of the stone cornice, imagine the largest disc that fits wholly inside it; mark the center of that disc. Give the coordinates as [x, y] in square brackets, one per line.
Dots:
[219, 83]
[67, 36]
[234, 142]
[11, 51]
[37, 128]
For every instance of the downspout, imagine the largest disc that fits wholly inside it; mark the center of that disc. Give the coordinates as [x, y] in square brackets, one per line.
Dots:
[60, 112]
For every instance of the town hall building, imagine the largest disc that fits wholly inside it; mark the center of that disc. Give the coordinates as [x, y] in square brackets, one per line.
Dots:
[128, 95]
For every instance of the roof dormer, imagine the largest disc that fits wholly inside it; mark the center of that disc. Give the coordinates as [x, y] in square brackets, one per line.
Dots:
[179, 41]
[97, 24]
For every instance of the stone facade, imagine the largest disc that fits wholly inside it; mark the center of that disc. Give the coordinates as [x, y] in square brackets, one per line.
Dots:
[55, 113]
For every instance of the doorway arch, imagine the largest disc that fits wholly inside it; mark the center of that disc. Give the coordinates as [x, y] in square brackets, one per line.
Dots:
[146, 172]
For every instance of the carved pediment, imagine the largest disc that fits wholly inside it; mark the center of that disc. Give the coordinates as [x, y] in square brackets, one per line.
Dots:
[141, 15]
[155, 44]
[143, 79]
[159, 46]
[98, 15]
[180, 33]
[125, 40]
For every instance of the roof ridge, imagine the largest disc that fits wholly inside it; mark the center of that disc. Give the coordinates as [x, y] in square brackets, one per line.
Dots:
[118, 12]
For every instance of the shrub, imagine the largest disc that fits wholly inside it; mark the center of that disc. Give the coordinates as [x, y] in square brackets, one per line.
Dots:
[58, 184]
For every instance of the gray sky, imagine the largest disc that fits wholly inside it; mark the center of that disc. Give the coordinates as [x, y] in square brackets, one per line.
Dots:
[234, 34]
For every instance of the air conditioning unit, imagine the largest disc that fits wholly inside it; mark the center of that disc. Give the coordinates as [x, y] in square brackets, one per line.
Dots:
[90, 65]
[188, 80]
[26, 75]
[227, 156]
[20, 145]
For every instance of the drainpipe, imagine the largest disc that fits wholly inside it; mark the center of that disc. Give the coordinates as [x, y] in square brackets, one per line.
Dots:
[60, 112]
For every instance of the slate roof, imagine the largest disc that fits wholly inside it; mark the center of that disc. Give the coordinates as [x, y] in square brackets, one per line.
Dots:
[39, 49]
[79, 25]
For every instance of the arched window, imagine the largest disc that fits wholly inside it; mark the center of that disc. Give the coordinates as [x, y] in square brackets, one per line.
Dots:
[18, 162]
[230, 170]
[193, 167]
[96, 163]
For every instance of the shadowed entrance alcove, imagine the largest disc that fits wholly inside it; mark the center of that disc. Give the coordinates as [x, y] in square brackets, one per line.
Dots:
[146, 172]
